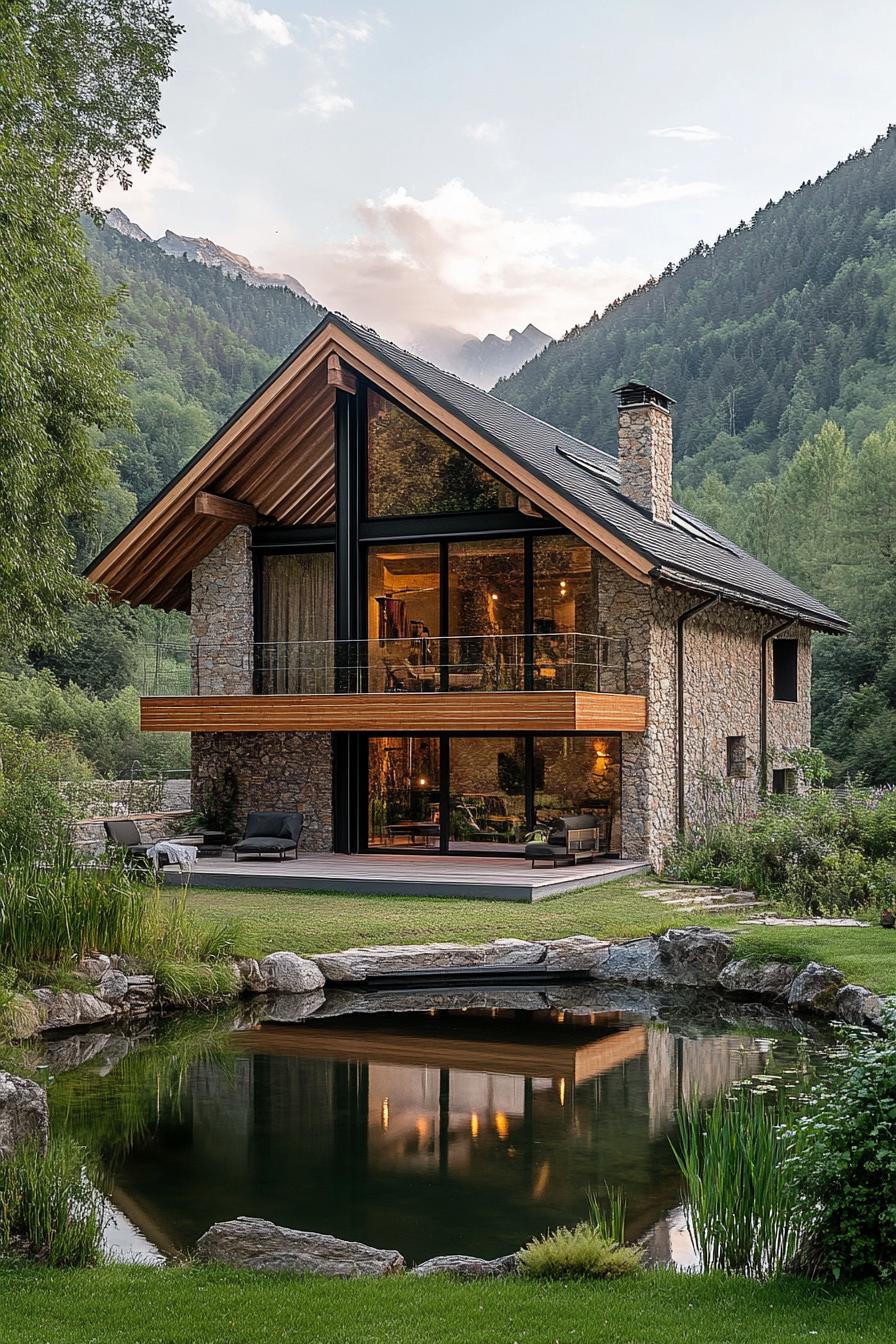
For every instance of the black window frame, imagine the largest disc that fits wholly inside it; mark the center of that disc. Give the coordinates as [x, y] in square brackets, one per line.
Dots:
[785, 670]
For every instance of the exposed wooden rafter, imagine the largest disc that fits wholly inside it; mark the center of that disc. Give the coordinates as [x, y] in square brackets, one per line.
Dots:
[276, 458]
[231, 510]
[339, 376]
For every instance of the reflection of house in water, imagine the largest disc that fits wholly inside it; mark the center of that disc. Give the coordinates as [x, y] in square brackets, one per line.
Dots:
[432, 1133]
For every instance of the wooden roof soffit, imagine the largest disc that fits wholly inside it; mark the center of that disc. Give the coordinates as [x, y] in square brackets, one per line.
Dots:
[339, 376]
[230, 510]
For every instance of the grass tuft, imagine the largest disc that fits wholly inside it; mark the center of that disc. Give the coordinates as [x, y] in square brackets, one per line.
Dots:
[581, 1252]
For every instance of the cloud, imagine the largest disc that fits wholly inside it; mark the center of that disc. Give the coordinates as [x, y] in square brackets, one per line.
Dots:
[323, 102]
[336, 34]
[637, 191]
[238, 16]
[486, 132]
[451, 259]
[147, 198]
[694, 134]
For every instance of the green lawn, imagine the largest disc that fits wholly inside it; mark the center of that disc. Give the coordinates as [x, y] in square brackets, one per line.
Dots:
[314, 921]
[318, 921]
[140, 1305]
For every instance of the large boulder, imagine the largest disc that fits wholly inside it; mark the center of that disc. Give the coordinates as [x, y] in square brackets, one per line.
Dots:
[357, 964]
[634, 963]
[23, 1114]
[694, 956]
[466, 1267]
[250, 976]
[574, 955]
[286, 973]
[113, 986]
[255, 1243]
[769, 980]
[94, 967]
[858, 1006]
[65, 1010]
[815, 989]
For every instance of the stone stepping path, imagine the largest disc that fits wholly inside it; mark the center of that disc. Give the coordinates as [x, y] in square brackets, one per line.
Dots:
[688, 900]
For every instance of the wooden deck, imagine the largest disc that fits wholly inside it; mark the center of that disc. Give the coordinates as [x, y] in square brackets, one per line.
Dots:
[466, 877]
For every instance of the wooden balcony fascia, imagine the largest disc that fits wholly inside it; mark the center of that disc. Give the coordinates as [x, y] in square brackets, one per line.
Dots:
[407, 712]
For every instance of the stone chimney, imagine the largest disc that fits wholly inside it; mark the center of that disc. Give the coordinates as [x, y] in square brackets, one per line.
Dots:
[645, 448]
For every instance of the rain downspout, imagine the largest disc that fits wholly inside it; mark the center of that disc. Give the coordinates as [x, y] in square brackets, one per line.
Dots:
[763, 700]
[679, 654]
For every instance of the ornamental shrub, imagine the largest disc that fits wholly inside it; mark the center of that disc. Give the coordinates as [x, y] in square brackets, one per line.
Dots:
[581, 1252]
[822, 852]
[845, 1162]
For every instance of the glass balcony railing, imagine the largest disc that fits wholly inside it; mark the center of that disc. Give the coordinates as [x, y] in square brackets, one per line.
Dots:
[456, 663]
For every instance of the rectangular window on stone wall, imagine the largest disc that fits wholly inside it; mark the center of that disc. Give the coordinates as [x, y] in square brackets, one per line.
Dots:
[736, 754]
[785, 653]
[783, 781]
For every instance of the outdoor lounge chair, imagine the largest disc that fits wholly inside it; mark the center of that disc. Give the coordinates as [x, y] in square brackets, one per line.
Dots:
[122, 833]
[270, 833]
[572, 839]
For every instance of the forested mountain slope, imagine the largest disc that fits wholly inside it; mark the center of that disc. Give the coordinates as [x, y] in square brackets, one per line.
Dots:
[779, 344]
[201, 342]
[786, 321]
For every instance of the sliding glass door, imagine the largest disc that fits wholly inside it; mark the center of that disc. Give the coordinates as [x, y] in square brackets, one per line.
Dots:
[466, 794]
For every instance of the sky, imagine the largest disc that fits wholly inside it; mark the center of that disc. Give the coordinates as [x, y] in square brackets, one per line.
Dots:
[485, 165]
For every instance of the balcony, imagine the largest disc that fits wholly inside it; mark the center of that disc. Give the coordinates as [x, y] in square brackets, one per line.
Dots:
[483, 683]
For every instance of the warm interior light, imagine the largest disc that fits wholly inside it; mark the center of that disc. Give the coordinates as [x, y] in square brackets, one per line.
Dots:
[423, 781]
[562, 1091]
[502, 1125]
[422, 1128]
[474, 1125]
[385, 1113]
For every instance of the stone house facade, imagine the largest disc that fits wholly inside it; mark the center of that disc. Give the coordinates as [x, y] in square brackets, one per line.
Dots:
[434, 665]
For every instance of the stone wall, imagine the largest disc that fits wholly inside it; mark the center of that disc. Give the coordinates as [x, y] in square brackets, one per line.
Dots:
[221, 618]
[722, 677]
[274, 772]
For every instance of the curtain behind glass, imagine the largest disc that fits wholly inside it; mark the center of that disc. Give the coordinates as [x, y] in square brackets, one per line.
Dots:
[296, 657]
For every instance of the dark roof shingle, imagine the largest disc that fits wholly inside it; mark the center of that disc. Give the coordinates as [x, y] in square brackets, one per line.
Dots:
[685, 551]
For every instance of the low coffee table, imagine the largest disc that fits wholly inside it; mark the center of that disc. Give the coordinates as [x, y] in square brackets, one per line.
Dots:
[209, 844]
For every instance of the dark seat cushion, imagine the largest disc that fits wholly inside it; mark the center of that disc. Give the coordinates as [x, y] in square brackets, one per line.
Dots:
[539, 849]
[264, 844]
[274, 826]
[123, 831]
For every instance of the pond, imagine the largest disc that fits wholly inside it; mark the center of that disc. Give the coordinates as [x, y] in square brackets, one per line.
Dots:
[431, 1123]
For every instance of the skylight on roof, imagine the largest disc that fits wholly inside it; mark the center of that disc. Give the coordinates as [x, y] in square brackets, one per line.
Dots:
[596, 468]
[700, 533]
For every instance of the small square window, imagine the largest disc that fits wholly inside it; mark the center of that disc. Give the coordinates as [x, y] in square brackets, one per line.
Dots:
[785, 655]
[736, 757]
[783, 781]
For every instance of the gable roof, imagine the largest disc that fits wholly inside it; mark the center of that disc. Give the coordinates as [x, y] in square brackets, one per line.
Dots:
[573, 481]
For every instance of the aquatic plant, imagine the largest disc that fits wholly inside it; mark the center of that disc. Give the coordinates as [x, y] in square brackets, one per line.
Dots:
[608, 1216]
[50, 1208]
[581, 1252]
[742, 1201]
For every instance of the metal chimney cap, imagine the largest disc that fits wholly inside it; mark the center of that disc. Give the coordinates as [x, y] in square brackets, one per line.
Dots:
[640, 394]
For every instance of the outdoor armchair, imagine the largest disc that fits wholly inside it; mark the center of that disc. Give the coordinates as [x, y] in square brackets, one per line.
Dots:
[270, 833]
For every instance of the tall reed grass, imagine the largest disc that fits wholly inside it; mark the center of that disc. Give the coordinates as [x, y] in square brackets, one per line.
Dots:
[50, 1208]
[53, 910]
[741, 1198]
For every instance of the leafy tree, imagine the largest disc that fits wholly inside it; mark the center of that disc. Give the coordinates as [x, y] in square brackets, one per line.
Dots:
[79, 96]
